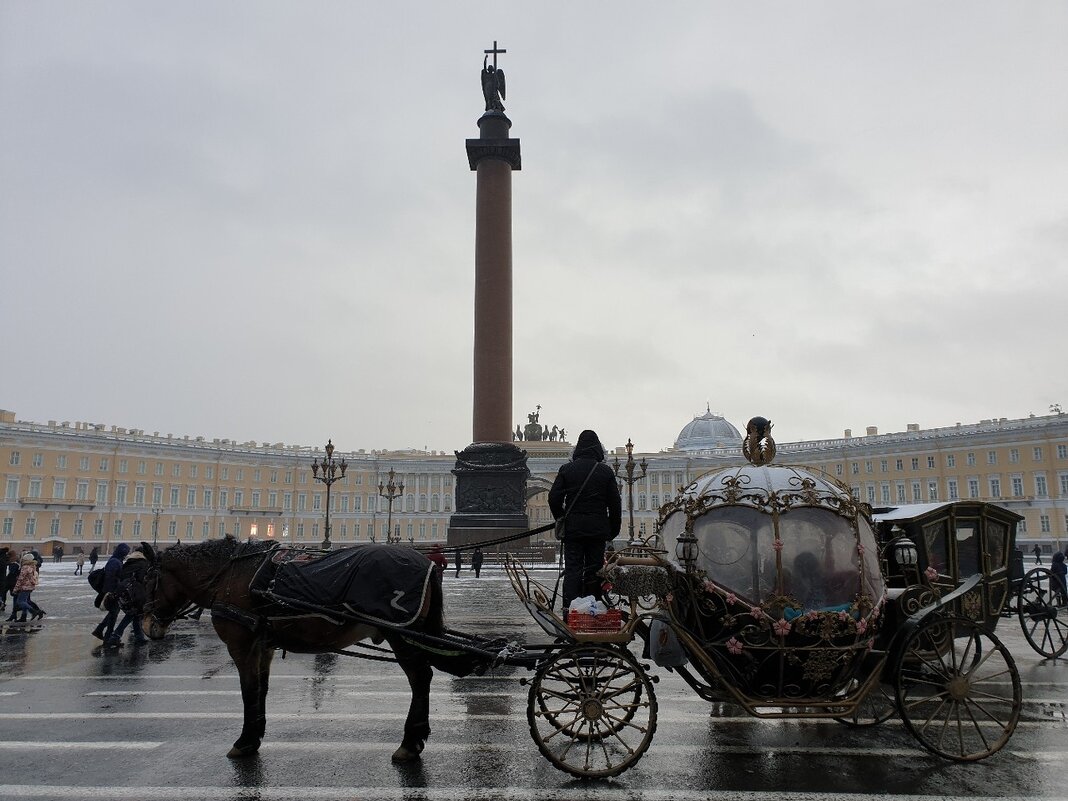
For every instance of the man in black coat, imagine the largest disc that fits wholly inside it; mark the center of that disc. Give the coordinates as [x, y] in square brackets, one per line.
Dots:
[109, 592]
[586, 490]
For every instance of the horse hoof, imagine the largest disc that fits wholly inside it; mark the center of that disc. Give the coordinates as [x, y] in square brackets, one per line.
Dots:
[404, 754]
[240, 752]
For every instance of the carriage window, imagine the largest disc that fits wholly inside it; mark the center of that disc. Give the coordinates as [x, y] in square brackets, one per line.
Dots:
[736, 550]
[997, 537]
[820, 562]
[934, 535]
[967, 549]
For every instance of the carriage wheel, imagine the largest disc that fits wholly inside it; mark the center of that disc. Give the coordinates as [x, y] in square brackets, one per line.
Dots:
[1042, 613]
[874, 708]
[592, 711]
[958, 704]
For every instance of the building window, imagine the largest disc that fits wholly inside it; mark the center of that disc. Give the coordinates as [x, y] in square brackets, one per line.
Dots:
[274, 476]
[16, 457]
[174, 496]
[1064, 484]
[193, 470]
[9, 523]
[139, 496]
[120, 494]
[973, 488]
[871, 494]
[103, 464]
[854, 468]
[124, 465]
[302, 502]
[35, 488]
[172, 529]
[239, 497]
[208, 499]
[1022, 528]
[13, 488]
[159, 468]
[142, 467]
[101, 493]
[1062, 451]
[83, 464]
[884, 466]
[930, 462]
[1017, 487]
[176, 471]
[917, 495]
[1040, 487]
[899, 464]
[54, 530]
[223, 497]
[838, 469]
[224, 473]
[902, 497]
[971, 459]
[1036, 454]
[137, 529]
[317, 502]
[61, 462]
[1014, 456]
[952, 487]
[868, 467]
[38, 460]
[117, 530]
[82, 491]
[78, 528]
[209, 472]
[59, 489]
[157, 496]
[995, 488]
[932, 490]
[31, 526]
[886, 493]
[98, 528]
[191, 498]
[255, 499]
[1043, 523]
[256, 476]
[189, 530]
[915, 463]
[951, 460]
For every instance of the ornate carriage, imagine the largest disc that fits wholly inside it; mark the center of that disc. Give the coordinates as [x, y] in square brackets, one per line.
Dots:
[772, 588]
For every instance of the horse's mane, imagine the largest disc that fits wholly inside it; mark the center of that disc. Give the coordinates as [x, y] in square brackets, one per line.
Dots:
[218, 550]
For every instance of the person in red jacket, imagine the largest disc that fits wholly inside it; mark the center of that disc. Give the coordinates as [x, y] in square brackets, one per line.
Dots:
[437, 556]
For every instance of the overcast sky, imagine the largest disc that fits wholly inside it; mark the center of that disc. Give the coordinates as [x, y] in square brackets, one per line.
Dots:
[255, 220]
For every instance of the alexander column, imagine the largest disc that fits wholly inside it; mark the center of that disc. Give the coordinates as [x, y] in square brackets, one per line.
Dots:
[491, 472]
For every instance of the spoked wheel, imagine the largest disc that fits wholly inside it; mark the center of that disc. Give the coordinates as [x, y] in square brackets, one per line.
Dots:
[1042, 613]
[874, 708]
[592, 711]
[958, 689]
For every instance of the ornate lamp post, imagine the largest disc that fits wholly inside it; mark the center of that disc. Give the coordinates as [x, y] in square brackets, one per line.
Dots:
[328, 471]
[630, 479]
[156, 512]
[389, 491]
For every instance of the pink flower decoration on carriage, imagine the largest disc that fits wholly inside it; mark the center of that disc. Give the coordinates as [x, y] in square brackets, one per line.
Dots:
[708, 585]
[862, 626]
[843, 616]
[756, 612]
[732, 598]
[670, 597]
[734, 646]
[931, 573]
[781, 627]
[777, 545]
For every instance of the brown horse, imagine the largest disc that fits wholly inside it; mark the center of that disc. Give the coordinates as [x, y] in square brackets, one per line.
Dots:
[217, 574]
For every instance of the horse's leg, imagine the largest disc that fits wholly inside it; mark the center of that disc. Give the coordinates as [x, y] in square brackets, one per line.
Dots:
[253, 660]
[417, 724]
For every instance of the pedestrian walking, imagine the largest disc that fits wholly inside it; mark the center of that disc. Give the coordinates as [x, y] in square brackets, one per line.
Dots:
[131, 595]
[93, 556]
[12, 576]
[4, 555]
[108, 597]
[476, 561]
[1037, 551]
[24, 587]
[585, 490]
[456, 555]
[1060, 572]
[80, 564]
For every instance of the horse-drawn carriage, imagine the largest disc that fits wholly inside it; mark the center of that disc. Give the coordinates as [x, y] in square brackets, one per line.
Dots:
[768, 587]
[784, 599]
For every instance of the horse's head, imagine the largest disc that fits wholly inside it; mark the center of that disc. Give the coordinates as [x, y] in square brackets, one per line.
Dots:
[168, 598]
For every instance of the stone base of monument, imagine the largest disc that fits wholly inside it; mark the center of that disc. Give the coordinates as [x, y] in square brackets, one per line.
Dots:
[491, 480]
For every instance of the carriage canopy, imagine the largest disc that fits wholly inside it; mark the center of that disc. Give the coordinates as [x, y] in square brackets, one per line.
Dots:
[785, 538]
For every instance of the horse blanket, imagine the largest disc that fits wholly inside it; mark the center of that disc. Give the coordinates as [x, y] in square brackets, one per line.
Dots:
[382, 583]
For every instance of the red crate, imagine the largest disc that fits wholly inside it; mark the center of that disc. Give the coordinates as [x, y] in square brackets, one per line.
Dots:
[610, 621]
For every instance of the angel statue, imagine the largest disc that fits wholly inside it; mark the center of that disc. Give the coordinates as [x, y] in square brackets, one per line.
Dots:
[493, 85]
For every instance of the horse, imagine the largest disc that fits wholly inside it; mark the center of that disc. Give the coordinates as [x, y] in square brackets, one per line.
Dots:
[217, 574]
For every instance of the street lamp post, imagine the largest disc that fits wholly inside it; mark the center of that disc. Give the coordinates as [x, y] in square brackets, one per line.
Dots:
[630, 479]
[389, 491]
[156, 512]
[328, 471]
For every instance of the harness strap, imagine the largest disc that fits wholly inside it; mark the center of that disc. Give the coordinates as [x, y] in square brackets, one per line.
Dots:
[254, 623]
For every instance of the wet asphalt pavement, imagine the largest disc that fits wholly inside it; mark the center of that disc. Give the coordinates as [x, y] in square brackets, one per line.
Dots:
[155, 721]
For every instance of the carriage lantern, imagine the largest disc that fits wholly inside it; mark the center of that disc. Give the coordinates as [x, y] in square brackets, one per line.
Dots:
[905, 552]
[686, 548]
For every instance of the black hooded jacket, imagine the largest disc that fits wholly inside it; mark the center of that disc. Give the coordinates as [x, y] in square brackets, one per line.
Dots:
[597, 509]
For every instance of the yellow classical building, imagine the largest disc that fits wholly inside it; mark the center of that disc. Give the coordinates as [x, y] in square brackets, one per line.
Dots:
[80, 485]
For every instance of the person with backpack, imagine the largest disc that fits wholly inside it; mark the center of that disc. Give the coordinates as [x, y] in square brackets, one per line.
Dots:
[107, 595]
[24, 586]
[131, 596]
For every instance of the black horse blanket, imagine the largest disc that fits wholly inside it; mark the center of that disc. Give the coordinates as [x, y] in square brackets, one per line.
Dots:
[383, 583]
